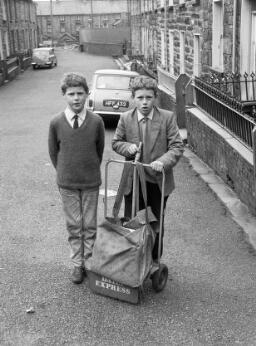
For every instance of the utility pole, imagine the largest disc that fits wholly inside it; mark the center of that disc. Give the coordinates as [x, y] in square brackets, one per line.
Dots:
[91, 15]
[51, 21]
[129, 10]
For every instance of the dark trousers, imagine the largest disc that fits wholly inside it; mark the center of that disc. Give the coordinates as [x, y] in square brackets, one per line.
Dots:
[154, 201]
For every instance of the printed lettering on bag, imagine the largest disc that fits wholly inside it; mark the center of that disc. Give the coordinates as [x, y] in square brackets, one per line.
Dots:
[111, 285]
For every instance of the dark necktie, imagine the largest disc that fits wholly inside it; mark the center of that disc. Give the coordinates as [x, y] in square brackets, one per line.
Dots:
[146, 140]
[75, 124]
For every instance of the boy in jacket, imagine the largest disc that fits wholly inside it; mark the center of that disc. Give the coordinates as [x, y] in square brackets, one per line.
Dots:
[162, 146]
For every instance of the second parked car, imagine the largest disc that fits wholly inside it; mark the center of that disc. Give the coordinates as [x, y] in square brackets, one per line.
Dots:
[43, 57]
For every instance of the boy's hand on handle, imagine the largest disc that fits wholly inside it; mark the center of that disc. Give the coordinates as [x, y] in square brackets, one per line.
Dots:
[132, 149]
[157, 166]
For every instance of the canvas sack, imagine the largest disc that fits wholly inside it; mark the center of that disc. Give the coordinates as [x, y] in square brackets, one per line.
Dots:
[123, 252]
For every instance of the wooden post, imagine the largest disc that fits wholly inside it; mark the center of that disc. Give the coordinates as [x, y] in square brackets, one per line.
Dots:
[254, 150]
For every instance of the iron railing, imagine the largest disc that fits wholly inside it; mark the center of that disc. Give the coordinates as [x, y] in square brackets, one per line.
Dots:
[236, 85]
[240, 87]
[235, 115]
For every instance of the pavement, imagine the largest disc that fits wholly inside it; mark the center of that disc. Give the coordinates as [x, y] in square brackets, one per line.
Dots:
[238, 210]
[210, 297]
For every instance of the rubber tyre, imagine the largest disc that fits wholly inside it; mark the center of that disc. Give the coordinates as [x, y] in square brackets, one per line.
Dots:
[159, 278]
[34, 67]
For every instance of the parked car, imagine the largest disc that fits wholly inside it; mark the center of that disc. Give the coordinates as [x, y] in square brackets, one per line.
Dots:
[110, 93]
[43, 57]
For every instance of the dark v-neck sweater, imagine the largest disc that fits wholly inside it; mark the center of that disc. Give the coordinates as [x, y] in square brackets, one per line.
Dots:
[77, 153]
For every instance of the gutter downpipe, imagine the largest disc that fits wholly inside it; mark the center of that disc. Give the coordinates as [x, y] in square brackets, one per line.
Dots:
[234, 38]
[165, 31]
[51, 15]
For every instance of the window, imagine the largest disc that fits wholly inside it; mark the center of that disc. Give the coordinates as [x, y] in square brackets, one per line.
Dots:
[3, 10]
[113, 82]
[182, 52]
[1, 47]
[171, 51]
[162, 3]
[170, 3]
[253, 46]
[163, 48]
[181, 2]
[197, 55]
[6, 41]
[49, 26]
[145, 42]
[105, 22]
[217, 36]
[62, 27]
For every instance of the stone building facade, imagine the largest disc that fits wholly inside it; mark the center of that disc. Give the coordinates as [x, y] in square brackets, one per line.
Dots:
[187, 39]
[18, 36]
[18, 27]
[194, 36]
[70, 16]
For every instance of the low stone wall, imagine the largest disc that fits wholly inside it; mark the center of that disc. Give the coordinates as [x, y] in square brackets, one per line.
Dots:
[11, 68]
[1, 79]
[26, 63]
[166, 100]
[228, 157]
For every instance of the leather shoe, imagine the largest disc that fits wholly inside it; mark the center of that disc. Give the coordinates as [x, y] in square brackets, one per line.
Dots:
[78, 275]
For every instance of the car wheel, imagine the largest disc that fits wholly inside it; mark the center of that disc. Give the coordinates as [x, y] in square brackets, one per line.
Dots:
[34, 67]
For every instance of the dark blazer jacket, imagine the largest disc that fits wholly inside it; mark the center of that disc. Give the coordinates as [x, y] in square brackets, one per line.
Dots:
[166, 143]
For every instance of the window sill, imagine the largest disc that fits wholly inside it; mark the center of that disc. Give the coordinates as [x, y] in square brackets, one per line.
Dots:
[195, 3]
[216, 70]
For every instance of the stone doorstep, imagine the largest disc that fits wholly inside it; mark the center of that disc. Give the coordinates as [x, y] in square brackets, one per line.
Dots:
[239, 211]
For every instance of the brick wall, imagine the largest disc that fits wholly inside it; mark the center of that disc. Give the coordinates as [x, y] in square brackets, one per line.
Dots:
[233, 167]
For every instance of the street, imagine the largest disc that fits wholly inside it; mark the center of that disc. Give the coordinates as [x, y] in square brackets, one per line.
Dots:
[210, 296]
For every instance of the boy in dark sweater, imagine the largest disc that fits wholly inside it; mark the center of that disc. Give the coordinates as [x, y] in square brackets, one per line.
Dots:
[76, 144]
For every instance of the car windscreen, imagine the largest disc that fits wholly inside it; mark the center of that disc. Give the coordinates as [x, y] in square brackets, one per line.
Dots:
[113, 82]
[41, 53]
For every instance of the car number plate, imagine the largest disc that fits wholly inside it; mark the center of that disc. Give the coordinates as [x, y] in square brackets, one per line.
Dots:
[115, 103]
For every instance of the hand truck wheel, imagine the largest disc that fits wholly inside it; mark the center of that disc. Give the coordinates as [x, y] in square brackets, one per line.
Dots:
[159, 278]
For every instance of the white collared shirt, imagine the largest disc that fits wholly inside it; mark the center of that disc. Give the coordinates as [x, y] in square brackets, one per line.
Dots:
[70, 116]
[141, 116]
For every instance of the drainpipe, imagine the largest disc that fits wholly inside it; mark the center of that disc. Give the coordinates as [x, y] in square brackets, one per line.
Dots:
[51, 21]
[234, 38]
[165, 32]
[91, 14]
[140, 24]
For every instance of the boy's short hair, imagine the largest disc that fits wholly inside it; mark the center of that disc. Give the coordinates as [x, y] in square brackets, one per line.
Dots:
[73, 79]
[144, 82]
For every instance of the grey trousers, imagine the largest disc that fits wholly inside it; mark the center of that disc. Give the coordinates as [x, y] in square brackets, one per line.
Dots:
[80, 209]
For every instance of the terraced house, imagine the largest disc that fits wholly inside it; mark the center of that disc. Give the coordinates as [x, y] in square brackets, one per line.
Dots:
[203, 54]
[18, 36]
[61, 20]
